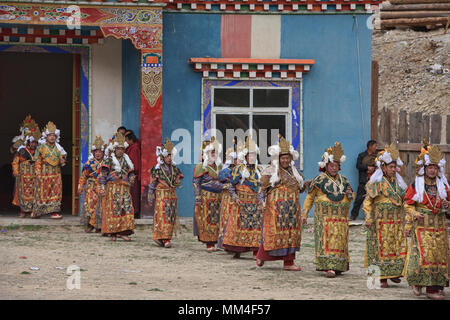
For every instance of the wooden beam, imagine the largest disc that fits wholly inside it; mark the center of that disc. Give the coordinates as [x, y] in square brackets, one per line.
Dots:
[426, 127]
[374, 102]
[411, 7]
[417, 1]
[448, 129]
[417, 146]
[436, 124]
[385, 15]
[415, 21]
[415, 127]
[403, 127]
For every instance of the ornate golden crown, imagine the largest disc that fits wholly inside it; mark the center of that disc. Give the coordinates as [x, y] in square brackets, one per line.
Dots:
[284, 145]
[435, 154]
[168, 146]
[50, 127]
[98, 143]
[240, 146]
[36, 133]
[29, 122]
[336, 151]
[120, 140]
[229, 152]
[212, 142]
[250, 145]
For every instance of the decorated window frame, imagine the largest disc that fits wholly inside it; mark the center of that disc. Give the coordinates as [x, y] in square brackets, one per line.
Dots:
[293, 113]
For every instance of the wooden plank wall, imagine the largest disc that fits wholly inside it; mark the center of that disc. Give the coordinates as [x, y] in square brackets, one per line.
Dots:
[408, 130]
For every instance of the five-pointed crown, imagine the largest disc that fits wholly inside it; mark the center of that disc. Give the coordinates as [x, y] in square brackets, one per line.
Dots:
[213, 144]
[50, 127]
[392, 150]
[435, 154]
[168, 146]
[98, 143]
[29, 122]
[240, 146]
[35, 133]
[250, 145]
[284, 145]
[336, 151]
[119, 140]
[230, 150]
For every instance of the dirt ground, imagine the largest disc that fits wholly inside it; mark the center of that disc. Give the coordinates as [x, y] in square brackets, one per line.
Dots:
[407, 79]
[141, 270]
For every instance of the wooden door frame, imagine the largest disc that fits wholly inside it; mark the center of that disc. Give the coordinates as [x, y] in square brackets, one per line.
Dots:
[76, 123]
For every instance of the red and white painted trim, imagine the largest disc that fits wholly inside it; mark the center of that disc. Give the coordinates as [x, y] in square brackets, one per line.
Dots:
[236, 68]
[35, 35]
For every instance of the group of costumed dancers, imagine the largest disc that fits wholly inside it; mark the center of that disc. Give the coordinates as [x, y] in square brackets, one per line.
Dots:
[241, 207]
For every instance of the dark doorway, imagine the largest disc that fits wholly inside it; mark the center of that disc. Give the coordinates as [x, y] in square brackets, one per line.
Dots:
[40, 84]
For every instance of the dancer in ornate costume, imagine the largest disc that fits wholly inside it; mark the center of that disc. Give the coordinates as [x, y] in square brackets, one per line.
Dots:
[426, 204]
[225, 177]
[23, 167]
[162, 194]
[116, 177]
[282, 221]
[89, 187]
[50, 157]
[383, 206]
[208, 194]
[331, 194]
[242, 231]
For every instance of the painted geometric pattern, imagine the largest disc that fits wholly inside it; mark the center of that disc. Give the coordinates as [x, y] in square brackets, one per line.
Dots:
[286, 215]
[249, 217]
[214, 212]
[93, 16]
[143, 37]
[125, 15]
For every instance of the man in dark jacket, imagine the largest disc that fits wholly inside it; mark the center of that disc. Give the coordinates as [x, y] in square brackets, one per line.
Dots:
[366, 166]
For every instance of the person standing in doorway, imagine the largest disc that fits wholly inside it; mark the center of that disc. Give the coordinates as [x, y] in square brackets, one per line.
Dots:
[23, 168]
[366, 166]
[50, 157]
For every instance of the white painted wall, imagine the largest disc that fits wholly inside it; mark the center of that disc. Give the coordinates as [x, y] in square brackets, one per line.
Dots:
[266, 36]
[106, 88]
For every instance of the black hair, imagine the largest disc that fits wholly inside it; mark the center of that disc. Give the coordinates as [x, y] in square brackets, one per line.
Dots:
[131, 136]
[121, 128]
[370, 143]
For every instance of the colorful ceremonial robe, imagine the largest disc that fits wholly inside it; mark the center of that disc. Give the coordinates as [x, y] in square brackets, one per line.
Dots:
[385, 240]
[117, 205]
[224, 177]
[330, 221]
[163, 183]
[48, 184]
[23, 170]
[90, 206]
[242, 231]
[208, 194]
[428, 252]
[282, 224]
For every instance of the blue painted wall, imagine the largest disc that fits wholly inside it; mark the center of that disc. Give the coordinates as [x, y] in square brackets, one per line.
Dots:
[331, 108]
[331, 99]
[130, 86]
[186, 36]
